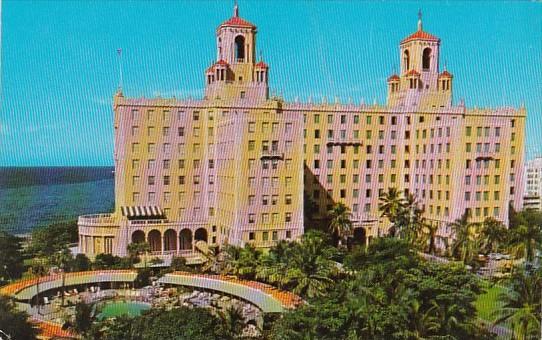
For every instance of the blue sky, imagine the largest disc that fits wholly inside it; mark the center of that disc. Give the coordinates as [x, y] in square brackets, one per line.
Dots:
[60, 68]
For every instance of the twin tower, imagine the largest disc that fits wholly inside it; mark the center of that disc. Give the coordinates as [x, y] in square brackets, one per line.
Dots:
[237, 74]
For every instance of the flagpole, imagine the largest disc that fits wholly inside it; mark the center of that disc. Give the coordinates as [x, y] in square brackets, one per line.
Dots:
[119, 53]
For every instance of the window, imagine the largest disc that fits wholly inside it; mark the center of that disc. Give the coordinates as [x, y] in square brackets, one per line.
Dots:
[426, 59]
[288, 217]
[195, 115]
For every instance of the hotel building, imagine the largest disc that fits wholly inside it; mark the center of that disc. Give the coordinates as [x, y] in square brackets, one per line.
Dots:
[533, 184]
[236, 166]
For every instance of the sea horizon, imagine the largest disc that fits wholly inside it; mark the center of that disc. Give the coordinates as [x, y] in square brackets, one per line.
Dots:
[36, 196]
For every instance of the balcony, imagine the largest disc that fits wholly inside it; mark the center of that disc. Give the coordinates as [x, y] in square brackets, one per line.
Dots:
[98, 220]
[272, 154]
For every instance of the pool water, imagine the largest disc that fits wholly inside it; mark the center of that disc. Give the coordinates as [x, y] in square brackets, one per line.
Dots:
[116, 308]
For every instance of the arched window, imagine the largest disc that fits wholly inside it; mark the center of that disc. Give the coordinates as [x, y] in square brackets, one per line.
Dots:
[240, 48]
[406, 60]
[426, 60]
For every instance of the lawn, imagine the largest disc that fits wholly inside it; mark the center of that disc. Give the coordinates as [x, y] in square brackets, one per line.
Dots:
[488, 302]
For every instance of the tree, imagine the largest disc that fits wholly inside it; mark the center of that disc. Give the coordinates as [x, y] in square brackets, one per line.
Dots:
[178, 263]
[13, 322]
[465, 243]
[39, 269]
[82, 320]
[178, 323]
[62, 260]
[241, 262]
[50, 239]
[137, 249]
[80, 263]
[494, 234]
[11, 259]
[233, 321]
[340, 224]
[391, 202]
[522, 304]
[410, 222]
[106, 261]
[391, 294]
[526, 234]
[307, 268]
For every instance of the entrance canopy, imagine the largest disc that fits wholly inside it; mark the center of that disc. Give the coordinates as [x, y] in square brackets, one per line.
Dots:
[142, 212]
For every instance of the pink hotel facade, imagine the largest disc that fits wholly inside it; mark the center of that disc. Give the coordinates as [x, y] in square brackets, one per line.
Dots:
[236, 166]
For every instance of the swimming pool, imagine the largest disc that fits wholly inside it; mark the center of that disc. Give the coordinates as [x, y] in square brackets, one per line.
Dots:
[112, 309]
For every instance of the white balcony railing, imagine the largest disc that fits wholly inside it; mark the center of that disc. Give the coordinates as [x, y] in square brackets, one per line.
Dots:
[98, 220]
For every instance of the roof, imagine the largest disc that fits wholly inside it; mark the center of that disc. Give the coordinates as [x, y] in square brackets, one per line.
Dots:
[261, 64]
[236, 21]
[266, 297]
[413, 73]
[221, 62]
[420, 35]
[393, 77]
[445, 74]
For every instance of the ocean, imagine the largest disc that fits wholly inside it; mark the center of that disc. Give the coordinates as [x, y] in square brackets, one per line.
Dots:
[35, 196]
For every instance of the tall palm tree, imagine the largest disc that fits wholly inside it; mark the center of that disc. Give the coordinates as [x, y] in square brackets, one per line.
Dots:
[62, 260]
[341, 222]
[525, 240]
[38, 269]
[409, 221]
[522, 304]
[494, 234]
[391, 202]
[465, 237]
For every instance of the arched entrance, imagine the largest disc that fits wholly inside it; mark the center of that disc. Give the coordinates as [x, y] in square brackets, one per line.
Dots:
[170, 240]
[155, 240]
[200, 234]
[360, 236]
[185, 239]
[138, 236]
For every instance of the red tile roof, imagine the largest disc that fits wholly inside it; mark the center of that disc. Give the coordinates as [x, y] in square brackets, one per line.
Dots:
[413, 73]
[48, 330]
[393, 77]
[445, 74]
[222, 62]
[420, 35]
[262, 64]
[237, 22]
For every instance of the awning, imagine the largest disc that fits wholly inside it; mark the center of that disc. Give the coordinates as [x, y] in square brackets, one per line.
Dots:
[142, 212]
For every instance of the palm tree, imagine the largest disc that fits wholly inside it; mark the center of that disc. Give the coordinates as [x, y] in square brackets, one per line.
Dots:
[494, 234]
[241, 262]
[423, 323]
[465, 234]
[522, 304]
[391, 203]
[233, 320]
[312, 267]
[409, 221]
[62, 260]
[273, 267]
[341, 223]
[38, 269]
[136, 249]
[525, 240]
